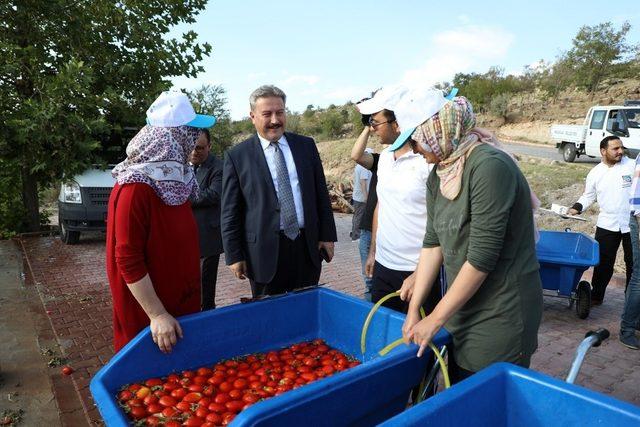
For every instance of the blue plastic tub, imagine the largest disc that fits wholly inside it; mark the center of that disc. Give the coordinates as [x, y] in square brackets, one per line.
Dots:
[364, 395]
[504, 395]
[563, 257]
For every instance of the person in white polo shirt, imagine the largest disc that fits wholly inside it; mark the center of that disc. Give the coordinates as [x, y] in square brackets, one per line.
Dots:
[608, 183]
[400, 217]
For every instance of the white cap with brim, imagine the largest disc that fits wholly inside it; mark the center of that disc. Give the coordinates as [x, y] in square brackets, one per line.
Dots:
[384, 99]
[414, 108]
[172, 108]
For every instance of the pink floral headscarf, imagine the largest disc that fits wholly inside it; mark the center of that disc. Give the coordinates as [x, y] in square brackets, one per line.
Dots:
[158, 156]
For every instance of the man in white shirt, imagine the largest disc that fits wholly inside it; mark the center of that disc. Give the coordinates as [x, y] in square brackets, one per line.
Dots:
[608, 183]
[400, 217]
[361, 181]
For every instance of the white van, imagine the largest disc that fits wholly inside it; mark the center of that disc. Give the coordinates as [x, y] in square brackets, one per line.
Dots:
[601, 121]
[83, 199]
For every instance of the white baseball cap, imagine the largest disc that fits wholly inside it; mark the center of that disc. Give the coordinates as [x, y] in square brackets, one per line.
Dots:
[384, 99]
[414, 107]
[173, 108]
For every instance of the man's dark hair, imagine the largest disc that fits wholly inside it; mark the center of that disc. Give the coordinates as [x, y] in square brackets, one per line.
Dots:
[604, 144]
[206, 134]
[389, 115]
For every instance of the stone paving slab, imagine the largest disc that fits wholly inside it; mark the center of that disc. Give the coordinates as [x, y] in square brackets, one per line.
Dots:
[72, 284]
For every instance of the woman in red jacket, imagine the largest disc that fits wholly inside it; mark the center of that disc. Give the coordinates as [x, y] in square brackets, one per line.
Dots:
[152, 238]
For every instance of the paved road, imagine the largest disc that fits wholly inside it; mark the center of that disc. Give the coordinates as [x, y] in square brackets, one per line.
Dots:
[544, 152]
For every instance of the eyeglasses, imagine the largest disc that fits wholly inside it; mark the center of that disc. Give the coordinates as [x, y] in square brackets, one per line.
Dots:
[375, 124]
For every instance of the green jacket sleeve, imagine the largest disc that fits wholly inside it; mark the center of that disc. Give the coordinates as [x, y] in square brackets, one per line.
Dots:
[430, 237]
[493, 187]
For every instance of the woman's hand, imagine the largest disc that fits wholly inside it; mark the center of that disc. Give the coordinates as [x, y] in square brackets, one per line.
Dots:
[407, 287]
[413, 317]
[165, 331]
[423, 332]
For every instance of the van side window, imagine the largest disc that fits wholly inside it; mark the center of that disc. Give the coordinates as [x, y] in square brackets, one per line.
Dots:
[633, 117]
[597, 119]
[615, 116]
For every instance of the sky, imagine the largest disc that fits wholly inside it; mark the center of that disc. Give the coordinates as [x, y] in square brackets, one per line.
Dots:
[331, 51]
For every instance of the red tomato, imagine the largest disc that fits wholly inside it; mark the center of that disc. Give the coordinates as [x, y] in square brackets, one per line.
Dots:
[204, 401]
[138, 412]
[225, 387]
[173, 378]
[232, 372]
[235, 394]
[134, 387]
[153, 382]
[250, 398]
[217, 407]
[184, 407]
[192, 397]
[169, 412]
[155, 408]
[188, 374]
[67, 370]
[227, 418]
[200, 380]
[167, 401]
[202, 412]
[125, 395]
[134, 402]
[179, 393]
[231, 363]
[328, 369]
[150, 400]
[234, 405]
[222, 398]
[216, 379]
[240, 384]
[169, 387]
[193, 421]
[204, 372]
[214, 418]
[195, 387]
[172, 423]
[152, 421]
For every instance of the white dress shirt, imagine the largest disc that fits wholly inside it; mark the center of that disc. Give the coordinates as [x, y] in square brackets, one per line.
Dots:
[609, 186]
[269, 154]
[402, 209]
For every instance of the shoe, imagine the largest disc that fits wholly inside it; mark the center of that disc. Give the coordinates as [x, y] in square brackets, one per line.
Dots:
[630, 341]
[595, 302]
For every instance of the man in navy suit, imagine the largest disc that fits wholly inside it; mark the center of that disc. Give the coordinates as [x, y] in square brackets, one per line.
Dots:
[206, 210]
[276, 222]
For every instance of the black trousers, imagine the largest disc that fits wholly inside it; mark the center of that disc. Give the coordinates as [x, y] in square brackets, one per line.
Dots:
[295, 268]
[609, 242]
[386, 281]
[209, 274]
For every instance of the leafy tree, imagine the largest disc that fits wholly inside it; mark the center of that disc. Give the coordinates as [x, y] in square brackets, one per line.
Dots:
[595, 49]
[73, 72]
[213, 100]
[499, 106]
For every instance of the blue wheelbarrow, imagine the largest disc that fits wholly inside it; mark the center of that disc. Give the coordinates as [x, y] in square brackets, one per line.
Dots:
[563, 257]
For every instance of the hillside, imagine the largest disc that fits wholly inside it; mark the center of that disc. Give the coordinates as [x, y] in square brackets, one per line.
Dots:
[531, 115]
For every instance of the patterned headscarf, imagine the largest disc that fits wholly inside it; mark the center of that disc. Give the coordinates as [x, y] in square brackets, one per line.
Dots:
[158, 156]
[450, 134]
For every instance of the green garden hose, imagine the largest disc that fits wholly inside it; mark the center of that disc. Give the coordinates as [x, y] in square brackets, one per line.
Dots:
[389, 347]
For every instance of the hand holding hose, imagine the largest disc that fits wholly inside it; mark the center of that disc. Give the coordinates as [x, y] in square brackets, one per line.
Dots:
[423, 332]
[413, 317]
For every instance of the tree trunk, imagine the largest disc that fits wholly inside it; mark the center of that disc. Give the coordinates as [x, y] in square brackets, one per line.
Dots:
[30, 199]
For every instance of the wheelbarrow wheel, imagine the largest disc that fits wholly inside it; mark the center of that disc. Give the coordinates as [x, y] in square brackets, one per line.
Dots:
[583, 305]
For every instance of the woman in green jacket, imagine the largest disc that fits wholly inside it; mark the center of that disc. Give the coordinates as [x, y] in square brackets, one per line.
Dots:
[480, 226]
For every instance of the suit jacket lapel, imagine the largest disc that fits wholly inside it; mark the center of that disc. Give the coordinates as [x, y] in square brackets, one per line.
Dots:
[261, 163]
